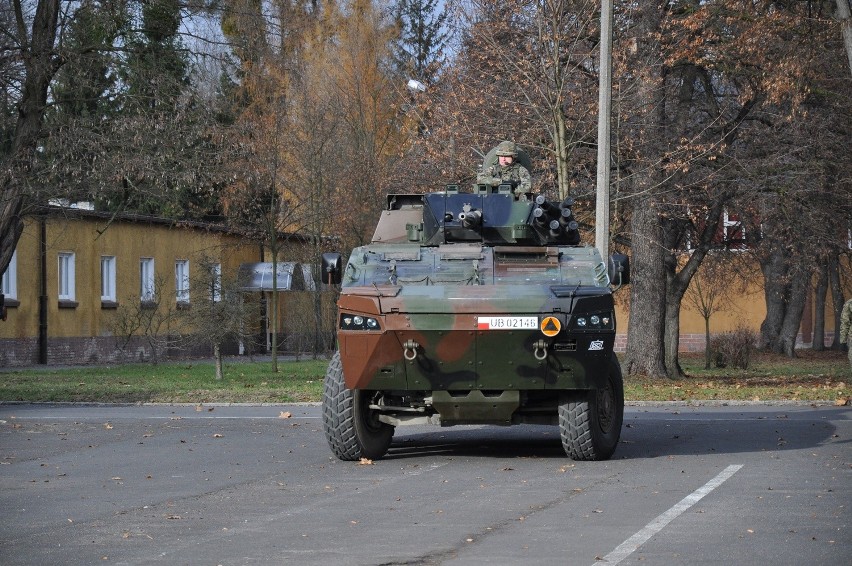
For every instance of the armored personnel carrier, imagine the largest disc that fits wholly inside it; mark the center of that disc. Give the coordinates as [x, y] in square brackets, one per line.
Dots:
[474, 308]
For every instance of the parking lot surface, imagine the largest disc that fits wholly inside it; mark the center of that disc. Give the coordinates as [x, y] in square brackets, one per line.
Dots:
[258, 485]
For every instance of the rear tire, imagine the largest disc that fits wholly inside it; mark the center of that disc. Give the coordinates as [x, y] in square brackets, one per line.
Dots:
[590, 421]
[352, 429]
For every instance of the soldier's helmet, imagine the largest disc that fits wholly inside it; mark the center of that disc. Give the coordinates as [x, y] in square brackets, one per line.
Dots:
[507, 149]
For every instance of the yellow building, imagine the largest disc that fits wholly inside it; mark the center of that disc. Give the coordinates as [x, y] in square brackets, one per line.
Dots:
[77, 274]
[740, 304]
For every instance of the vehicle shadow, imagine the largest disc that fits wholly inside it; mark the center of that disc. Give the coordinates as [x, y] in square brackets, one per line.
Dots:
[527, 441]
[649, 434]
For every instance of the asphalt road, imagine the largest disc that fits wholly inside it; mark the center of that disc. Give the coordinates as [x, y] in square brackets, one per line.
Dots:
[244, 485]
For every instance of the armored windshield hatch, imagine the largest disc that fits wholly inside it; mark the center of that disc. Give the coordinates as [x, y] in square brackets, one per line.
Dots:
[526, 254]
[460, 252]
[402, 255]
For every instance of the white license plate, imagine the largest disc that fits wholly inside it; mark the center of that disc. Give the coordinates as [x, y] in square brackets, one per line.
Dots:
[507, 323]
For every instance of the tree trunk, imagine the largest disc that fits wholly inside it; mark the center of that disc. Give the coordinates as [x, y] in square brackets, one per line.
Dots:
[836, 298]
[671, 339]
[799, 289]
[706, 342]
[647, 294]
[785, 288]
[561, 146]
[217, 355]
[844, 14]
[820, 293]
[273, 299]
[775, 295]
[645, 353]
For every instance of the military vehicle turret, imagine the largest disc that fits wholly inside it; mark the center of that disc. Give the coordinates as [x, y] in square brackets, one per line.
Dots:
[474, 308]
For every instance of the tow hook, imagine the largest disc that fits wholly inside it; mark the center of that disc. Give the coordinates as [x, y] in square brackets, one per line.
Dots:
[410, 350]
[540, 350]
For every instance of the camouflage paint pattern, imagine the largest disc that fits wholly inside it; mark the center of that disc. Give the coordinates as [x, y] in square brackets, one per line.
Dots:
[431, 279]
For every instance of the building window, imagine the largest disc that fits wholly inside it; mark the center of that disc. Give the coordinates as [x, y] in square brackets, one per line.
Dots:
[733, 232]
[9, 283]
[216, 282]
[108, 278]
[66, 277]
[146, 279]
[182, 280]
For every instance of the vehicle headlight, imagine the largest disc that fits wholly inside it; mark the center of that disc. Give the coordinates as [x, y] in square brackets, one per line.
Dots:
[358, 322]
[593, 321]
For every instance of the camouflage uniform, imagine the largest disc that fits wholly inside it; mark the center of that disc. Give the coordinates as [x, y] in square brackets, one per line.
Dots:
[846, 327]
[514, 173]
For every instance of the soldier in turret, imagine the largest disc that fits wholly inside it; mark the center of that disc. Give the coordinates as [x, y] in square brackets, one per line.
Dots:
[507, 170]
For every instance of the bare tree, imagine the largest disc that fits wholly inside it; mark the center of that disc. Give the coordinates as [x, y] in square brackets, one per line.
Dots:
[708, 293]
[30, 64]
[150, 318]
[219, 310]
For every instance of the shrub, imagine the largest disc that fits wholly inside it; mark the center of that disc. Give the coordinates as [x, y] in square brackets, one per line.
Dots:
[733, 348]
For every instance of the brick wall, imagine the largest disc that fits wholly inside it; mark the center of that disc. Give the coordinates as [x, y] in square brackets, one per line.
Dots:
[73, 351]
[96, 350]
[693, 343]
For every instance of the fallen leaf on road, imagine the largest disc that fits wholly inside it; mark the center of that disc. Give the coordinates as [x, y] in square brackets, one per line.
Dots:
[107, 426]
[285, 415]
[217, 435]
[365, 462]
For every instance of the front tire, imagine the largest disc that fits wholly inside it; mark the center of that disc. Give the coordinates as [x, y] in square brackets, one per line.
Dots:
[352, 429]
[590, 421]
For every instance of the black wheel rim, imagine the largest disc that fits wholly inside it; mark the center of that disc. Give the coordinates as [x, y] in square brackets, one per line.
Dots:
[369, 417]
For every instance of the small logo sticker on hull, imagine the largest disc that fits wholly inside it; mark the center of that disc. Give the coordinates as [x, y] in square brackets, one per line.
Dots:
[596, 345]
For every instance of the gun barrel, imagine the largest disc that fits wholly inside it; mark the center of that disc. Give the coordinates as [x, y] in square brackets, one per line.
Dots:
[470, 219]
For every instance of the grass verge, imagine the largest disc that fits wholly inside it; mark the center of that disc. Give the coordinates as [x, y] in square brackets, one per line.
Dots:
[242, 382]
[813, 376]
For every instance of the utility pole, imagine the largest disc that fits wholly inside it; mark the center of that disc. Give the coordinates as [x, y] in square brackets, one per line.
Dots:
[604, 105]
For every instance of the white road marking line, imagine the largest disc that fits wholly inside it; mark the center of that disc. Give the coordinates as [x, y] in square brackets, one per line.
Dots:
[627, 548]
